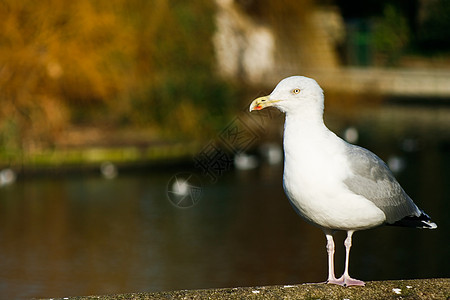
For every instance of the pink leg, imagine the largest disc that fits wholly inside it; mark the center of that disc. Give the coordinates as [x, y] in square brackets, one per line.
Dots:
[345, 278]
[330, 250]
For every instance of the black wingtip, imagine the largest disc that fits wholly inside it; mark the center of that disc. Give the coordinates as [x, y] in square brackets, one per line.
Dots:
[422, 221]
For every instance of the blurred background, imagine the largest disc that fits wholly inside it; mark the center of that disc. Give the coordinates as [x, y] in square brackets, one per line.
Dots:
[129, 161]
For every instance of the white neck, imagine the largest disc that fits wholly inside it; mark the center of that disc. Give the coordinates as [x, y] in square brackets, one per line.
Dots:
[304, 122]
[305, 132]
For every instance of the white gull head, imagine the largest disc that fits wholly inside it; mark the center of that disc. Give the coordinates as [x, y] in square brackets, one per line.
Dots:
[293, 95]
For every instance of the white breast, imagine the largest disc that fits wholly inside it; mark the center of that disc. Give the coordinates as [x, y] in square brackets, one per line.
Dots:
[314, 170]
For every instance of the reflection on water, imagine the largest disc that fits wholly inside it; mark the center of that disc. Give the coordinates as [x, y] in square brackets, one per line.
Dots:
[88, 235]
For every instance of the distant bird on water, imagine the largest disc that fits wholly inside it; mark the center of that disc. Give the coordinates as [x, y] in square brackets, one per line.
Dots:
[330, 183]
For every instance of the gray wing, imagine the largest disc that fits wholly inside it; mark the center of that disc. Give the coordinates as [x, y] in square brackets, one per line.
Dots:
[372, 179]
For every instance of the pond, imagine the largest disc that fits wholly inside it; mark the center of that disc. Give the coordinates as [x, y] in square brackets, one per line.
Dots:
[87, 235]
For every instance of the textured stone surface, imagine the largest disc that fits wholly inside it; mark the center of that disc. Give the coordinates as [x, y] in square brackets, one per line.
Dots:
[396, 289]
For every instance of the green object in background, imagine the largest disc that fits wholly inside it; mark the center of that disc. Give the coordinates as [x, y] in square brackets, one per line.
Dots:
[359, 46]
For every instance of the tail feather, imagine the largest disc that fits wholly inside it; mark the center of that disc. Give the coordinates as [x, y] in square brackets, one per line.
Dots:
[422, 221]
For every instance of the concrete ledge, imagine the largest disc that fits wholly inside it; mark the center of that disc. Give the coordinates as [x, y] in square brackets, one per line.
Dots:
[396, 289]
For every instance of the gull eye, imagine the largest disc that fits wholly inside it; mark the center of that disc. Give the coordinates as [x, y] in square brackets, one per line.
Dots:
[296, 91]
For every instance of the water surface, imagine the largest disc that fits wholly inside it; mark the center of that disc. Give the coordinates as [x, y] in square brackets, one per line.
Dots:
[83, 235]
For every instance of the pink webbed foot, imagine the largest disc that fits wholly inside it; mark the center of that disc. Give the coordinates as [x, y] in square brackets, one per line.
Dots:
[348, 281]
[339, 281]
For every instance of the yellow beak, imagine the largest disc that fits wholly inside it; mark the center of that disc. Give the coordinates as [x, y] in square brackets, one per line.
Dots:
[262, 102]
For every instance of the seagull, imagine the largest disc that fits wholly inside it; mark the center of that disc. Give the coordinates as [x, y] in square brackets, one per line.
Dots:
[333, 184]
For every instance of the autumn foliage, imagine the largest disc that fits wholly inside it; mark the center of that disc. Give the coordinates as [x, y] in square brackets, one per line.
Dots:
[115, 62]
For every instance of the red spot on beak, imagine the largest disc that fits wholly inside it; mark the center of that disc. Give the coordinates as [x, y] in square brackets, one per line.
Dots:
[258, 107]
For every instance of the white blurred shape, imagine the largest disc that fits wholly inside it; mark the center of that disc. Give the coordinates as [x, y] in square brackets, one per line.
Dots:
[7, 177]
[272, 152]
[243, 161]
[108, 170]
[396, 164]
[180, 187]
[351, 135]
